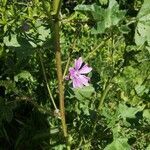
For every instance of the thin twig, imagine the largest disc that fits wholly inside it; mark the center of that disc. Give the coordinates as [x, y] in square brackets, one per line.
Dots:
[47, 85]
[70, 52]
[108, 87]
[66, 67]
[96, 48]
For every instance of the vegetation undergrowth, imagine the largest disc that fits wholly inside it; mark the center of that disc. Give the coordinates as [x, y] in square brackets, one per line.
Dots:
[74, 75]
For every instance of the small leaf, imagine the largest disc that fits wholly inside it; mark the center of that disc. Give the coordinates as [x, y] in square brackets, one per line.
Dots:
[118, 144]
[44, 34]
[84, 93]
[128, 112]
[9, 85]
[146, 114]
[148, 147]
[124, 29]
[11, 41]
[103, 2]
[83, 96]
[24, 75]
[141, 89]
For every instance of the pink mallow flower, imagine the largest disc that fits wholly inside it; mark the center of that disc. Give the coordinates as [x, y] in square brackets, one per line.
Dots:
[77, 74]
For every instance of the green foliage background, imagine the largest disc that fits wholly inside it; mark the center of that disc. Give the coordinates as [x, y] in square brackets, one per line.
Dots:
[113, 113]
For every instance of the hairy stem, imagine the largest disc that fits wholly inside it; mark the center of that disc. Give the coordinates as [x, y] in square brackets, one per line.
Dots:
[56, 44]
[59, 75]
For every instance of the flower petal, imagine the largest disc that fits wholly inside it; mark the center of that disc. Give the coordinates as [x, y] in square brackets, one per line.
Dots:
[71, 72]
[85, 69]
[77, 83]
[84, 80]
[78, 63]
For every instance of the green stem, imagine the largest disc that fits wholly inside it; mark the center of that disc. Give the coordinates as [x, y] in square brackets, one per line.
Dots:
[96, 48]
[56, 7]
[66, 68]
[69, 57]
[108, 87]
[47, 85]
